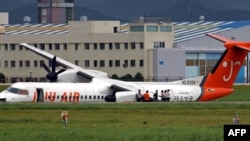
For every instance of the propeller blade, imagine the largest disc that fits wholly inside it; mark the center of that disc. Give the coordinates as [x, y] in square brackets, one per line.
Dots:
[60, 71]
[53, 64]
[52, 74]
[46, 68]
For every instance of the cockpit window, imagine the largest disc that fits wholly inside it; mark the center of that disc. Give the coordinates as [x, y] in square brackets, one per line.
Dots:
[17, 91]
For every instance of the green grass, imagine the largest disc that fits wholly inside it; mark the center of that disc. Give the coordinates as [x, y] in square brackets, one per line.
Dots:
[125, 121]
[130, 121]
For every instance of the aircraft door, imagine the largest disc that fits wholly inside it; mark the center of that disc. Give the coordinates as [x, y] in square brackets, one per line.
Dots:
[171, 95]
[40, 95]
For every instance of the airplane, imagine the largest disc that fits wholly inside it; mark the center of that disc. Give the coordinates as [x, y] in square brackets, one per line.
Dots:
[76, 84]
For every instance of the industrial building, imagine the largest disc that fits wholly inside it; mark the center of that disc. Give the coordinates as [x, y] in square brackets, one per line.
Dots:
[159, 50]
[99, 45]
[202, 52]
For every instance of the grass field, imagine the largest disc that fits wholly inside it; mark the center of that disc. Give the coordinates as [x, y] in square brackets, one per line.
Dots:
[124, 122]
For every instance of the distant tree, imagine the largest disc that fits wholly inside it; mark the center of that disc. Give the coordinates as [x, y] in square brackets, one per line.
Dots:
[114, 76]
[127, 77]
[139, 77]
[2, 78]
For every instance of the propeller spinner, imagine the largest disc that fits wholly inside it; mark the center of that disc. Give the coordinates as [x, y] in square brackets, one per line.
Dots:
[52, 74]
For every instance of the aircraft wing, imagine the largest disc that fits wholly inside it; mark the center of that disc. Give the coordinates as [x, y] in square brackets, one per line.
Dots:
[89, 74]
[81, 72]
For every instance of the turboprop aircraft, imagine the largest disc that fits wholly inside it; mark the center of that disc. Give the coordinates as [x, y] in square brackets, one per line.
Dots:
[96, 86]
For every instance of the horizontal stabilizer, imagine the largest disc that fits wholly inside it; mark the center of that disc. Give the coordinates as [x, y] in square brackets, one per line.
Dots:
[228, 43]
[220, 38]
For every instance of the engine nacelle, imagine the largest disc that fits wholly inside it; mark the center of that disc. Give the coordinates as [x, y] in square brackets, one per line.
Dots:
[123, 96]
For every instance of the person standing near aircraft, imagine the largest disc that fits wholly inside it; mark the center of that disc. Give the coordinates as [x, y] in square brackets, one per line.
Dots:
[167, 95]
[164, 95]
[64, 116]
[156, 95]
[139, 96]
[146, 96]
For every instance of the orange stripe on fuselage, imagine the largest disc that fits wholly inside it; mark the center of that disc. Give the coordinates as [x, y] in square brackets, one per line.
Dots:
[214, 93]
[34, 97]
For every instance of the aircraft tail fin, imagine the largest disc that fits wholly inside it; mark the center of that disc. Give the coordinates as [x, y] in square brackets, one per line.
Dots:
[225, 71]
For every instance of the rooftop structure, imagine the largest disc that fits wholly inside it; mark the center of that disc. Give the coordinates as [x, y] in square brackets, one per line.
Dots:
[55, 11]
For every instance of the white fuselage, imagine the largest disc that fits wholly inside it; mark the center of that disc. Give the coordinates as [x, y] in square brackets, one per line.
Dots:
[92, 92]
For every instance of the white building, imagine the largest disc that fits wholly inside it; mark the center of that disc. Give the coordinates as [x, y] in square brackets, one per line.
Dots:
[100, 45]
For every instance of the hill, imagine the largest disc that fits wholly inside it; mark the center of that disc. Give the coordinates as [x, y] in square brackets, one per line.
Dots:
[178, 10]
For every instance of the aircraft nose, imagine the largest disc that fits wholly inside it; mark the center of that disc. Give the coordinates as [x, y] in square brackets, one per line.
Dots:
[2, 97]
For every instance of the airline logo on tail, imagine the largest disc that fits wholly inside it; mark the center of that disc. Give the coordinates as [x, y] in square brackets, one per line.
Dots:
[230, 64]
[219, 81]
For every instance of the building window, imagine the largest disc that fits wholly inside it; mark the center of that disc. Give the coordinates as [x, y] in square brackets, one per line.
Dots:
[110, 63]
[110, 46]
[57, 46]
[141, 63]
[132, 45]
[86, 46]
[95, 63]
[166, 28]
[42, 46]
[95, 46]
[6, 46]
[117, 63]
[41, 63]
[191, 62]
[102, 46]
[151, 28]
[102, 63]
[50, 46]
[65, 46]
[6, 64]
[132, 63]
[125, 64]
[20, 47]
[12, 63]
[136, 28]
[141, 45]
[117, 46]
[20, 63]
[12, 46]
[27, 63]
[125, 46]
[86, 63]
[159, 44]
[35, 63]
[76, 46]
[77, 62]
